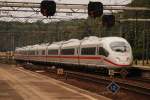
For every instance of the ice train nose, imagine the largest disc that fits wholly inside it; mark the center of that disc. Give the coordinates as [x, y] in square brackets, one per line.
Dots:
[122, 59]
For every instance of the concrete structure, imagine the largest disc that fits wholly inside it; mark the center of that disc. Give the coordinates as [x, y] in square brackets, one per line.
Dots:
[20, 84]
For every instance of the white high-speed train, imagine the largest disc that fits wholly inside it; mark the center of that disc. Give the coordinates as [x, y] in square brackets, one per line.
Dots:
[94, 52]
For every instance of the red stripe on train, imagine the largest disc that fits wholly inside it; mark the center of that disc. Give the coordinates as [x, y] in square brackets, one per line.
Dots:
[75, 57]
[84, 57]
[89, 57]
[115, 63]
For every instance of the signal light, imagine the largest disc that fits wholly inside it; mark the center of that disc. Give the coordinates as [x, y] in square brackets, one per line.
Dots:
[48, 8]
[95, 9]
[108, 20]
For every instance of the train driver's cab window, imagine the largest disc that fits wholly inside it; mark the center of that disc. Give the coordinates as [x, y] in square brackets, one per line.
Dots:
[103, 52]
[68, 51]
[88, 51]
[43, 52]
[119, 47]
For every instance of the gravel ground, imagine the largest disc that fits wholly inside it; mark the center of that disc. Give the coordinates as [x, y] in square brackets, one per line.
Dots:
[100, 89]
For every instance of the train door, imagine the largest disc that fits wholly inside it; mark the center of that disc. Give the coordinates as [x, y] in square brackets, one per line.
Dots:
[103, 53]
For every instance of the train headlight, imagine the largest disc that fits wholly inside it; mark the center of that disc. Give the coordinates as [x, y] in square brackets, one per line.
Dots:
[128, 59]
[118, 59]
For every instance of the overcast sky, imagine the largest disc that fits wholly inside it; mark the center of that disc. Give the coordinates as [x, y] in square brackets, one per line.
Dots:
[79, 1]
[105, 2]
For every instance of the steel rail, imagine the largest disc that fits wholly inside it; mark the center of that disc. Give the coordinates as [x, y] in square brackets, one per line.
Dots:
[133, 20]
[124, 84]
[144, 80]
[127, 84]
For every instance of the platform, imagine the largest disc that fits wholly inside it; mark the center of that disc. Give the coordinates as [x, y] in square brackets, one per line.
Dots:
[20, 84]
[145, 71]
[142, 67]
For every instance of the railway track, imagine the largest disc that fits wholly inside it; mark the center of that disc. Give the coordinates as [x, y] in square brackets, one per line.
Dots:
[142, 80]
[131, 85]
[137, 85]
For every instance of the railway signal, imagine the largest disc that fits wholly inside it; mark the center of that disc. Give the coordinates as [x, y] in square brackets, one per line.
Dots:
[124, 73]
[111, 72]
[48, 8]
[60, 71]
[108, 20]
[95, 9]
[113, 87]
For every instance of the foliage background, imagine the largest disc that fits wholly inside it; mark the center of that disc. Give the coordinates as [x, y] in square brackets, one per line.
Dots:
[16, 34]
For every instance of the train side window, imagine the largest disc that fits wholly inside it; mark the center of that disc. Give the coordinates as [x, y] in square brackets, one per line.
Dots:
[43, 52]
[77, 51]
[88, 51]
[52, 52]
[35, 52]
[39, 52]
[25, 53]
[67, 51]
[31, 52]
[103, 52]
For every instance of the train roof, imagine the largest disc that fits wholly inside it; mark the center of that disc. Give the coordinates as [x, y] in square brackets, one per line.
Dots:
[34, 47]
[71, 43]
[90, 40]
[19, 49]
[42, 46]
[93, 40]
[55, 45]
[112, 39]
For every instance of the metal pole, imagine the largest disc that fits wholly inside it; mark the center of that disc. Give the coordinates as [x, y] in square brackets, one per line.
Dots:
[13, 41]
[57, 32]
[120, 25]
[135, 39]
[143, 53]
[147, 47]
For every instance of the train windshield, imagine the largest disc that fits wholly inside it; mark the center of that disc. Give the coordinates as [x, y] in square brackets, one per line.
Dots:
[119, 47]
